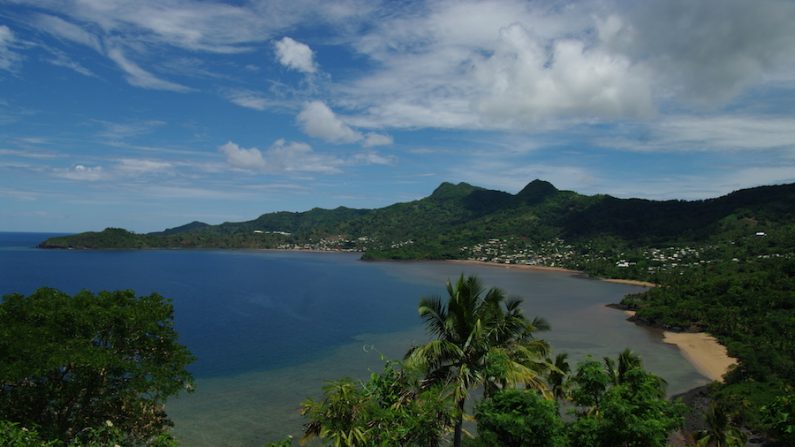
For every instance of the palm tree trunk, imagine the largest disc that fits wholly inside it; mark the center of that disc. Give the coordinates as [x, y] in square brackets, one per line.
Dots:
[459, 423]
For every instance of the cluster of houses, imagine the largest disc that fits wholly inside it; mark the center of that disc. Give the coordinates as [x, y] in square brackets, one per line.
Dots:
[551, 253]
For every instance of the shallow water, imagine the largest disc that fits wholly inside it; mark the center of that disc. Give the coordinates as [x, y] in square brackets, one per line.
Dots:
[269, 328]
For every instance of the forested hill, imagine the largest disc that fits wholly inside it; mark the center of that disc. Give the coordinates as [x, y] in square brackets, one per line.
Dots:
[455, 218]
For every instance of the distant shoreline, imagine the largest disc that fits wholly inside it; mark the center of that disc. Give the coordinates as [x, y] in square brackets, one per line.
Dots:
[543, 268]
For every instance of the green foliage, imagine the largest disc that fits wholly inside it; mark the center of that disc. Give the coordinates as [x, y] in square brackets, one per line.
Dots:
[13, 435]
[519, 418]
[391, 409]
[72, 363]
[779, 417]
[750, 307]
[629, 409]
[720, 431]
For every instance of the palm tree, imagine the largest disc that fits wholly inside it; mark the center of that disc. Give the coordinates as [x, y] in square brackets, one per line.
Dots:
[627, 360]
[556, 378]
[720, 431]
[481, 338]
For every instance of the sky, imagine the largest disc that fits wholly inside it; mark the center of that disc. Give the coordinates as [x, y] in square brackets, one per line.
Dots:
[148, 114]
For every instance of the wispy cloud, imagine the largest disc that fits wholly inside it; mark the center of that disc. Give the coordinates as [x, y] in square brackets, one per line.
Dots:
[28, 153]
[687, 133]
[114, 131]
[246, 98]
[8, 57]
[139, 77]
[60, 59]
[68, 31]
[81, 172]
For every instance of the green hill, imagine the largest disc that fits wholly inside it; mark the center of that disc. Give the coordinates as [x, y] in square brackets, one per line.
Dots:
[456, 217]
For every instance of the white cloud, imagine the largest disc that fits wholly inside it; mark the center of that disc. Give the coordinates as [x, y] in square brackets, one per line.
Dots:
[373, 158]
[67, 30]
[706, 51]
[319, 121]
[295, 55]
[283, 156]
[293, 156]
[377, 139]
[139, 77]
[240, 157]
[215, 27]
[8, 58]
[83, 173]
[527, 65]
[247, 98]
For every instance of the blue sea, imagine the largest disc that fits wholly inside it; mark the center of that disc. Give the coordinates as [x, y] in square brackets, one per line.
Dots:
[269, 328]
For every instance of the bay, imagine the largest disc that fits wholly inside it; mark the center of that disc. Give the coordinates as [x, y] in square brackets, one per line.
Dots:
[269, 328]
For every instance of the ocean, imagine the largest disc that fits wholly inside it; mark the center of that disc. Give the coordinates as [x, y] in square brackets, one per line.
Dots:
[270, 327]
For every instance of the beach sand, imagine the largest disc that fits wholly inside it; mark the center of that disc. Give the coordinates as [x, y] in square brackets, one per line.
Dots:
[631, 282]
[702, 350]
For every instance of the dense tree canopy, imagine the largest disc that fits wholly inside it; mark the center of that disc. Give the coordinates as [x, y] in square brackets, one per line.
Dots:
[75, 364]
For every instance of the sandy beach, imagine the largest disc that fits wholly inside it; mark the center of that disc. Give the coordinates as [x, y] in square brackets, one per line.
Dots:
[702, 350]
[631, 282]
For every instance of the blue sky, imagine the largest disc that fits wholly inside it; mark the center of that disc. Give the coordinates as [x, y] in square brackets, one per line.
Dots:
[148, 114]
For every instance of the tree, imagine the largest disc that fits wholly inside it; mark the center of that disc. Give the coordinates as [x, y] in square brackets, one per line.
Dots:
[630, 412]
[519, 418]
[388, 410]
[481, 338]
[73, 363]
[720, 431]
[556, 378]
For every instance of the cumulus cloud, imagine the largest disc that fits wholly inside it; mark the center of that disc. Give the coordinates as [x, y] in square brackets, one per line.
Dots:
[295, 55]
[319, 121]
[708, 51]
[283, 156]
[240, 157]
[139, 77]
[524, 65]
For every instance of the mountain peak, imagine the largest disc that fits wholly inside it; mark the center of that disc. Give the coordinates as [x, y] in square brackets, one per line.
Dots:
[448, 190]
[536, 191]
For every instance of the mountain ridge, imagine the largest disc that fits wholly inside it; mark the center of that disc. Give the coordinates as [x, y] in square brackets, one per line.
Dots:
[455, 216]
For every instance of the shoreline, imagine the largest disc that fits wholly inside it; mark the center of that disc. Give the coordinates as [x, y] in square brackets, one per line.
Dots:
[544, 268]
[703, 351]
[710, 358]
[536, 268]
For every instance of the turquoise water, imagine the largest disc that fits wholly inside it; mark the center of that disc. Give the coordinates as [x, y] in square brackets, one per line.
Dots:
[269, 328]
